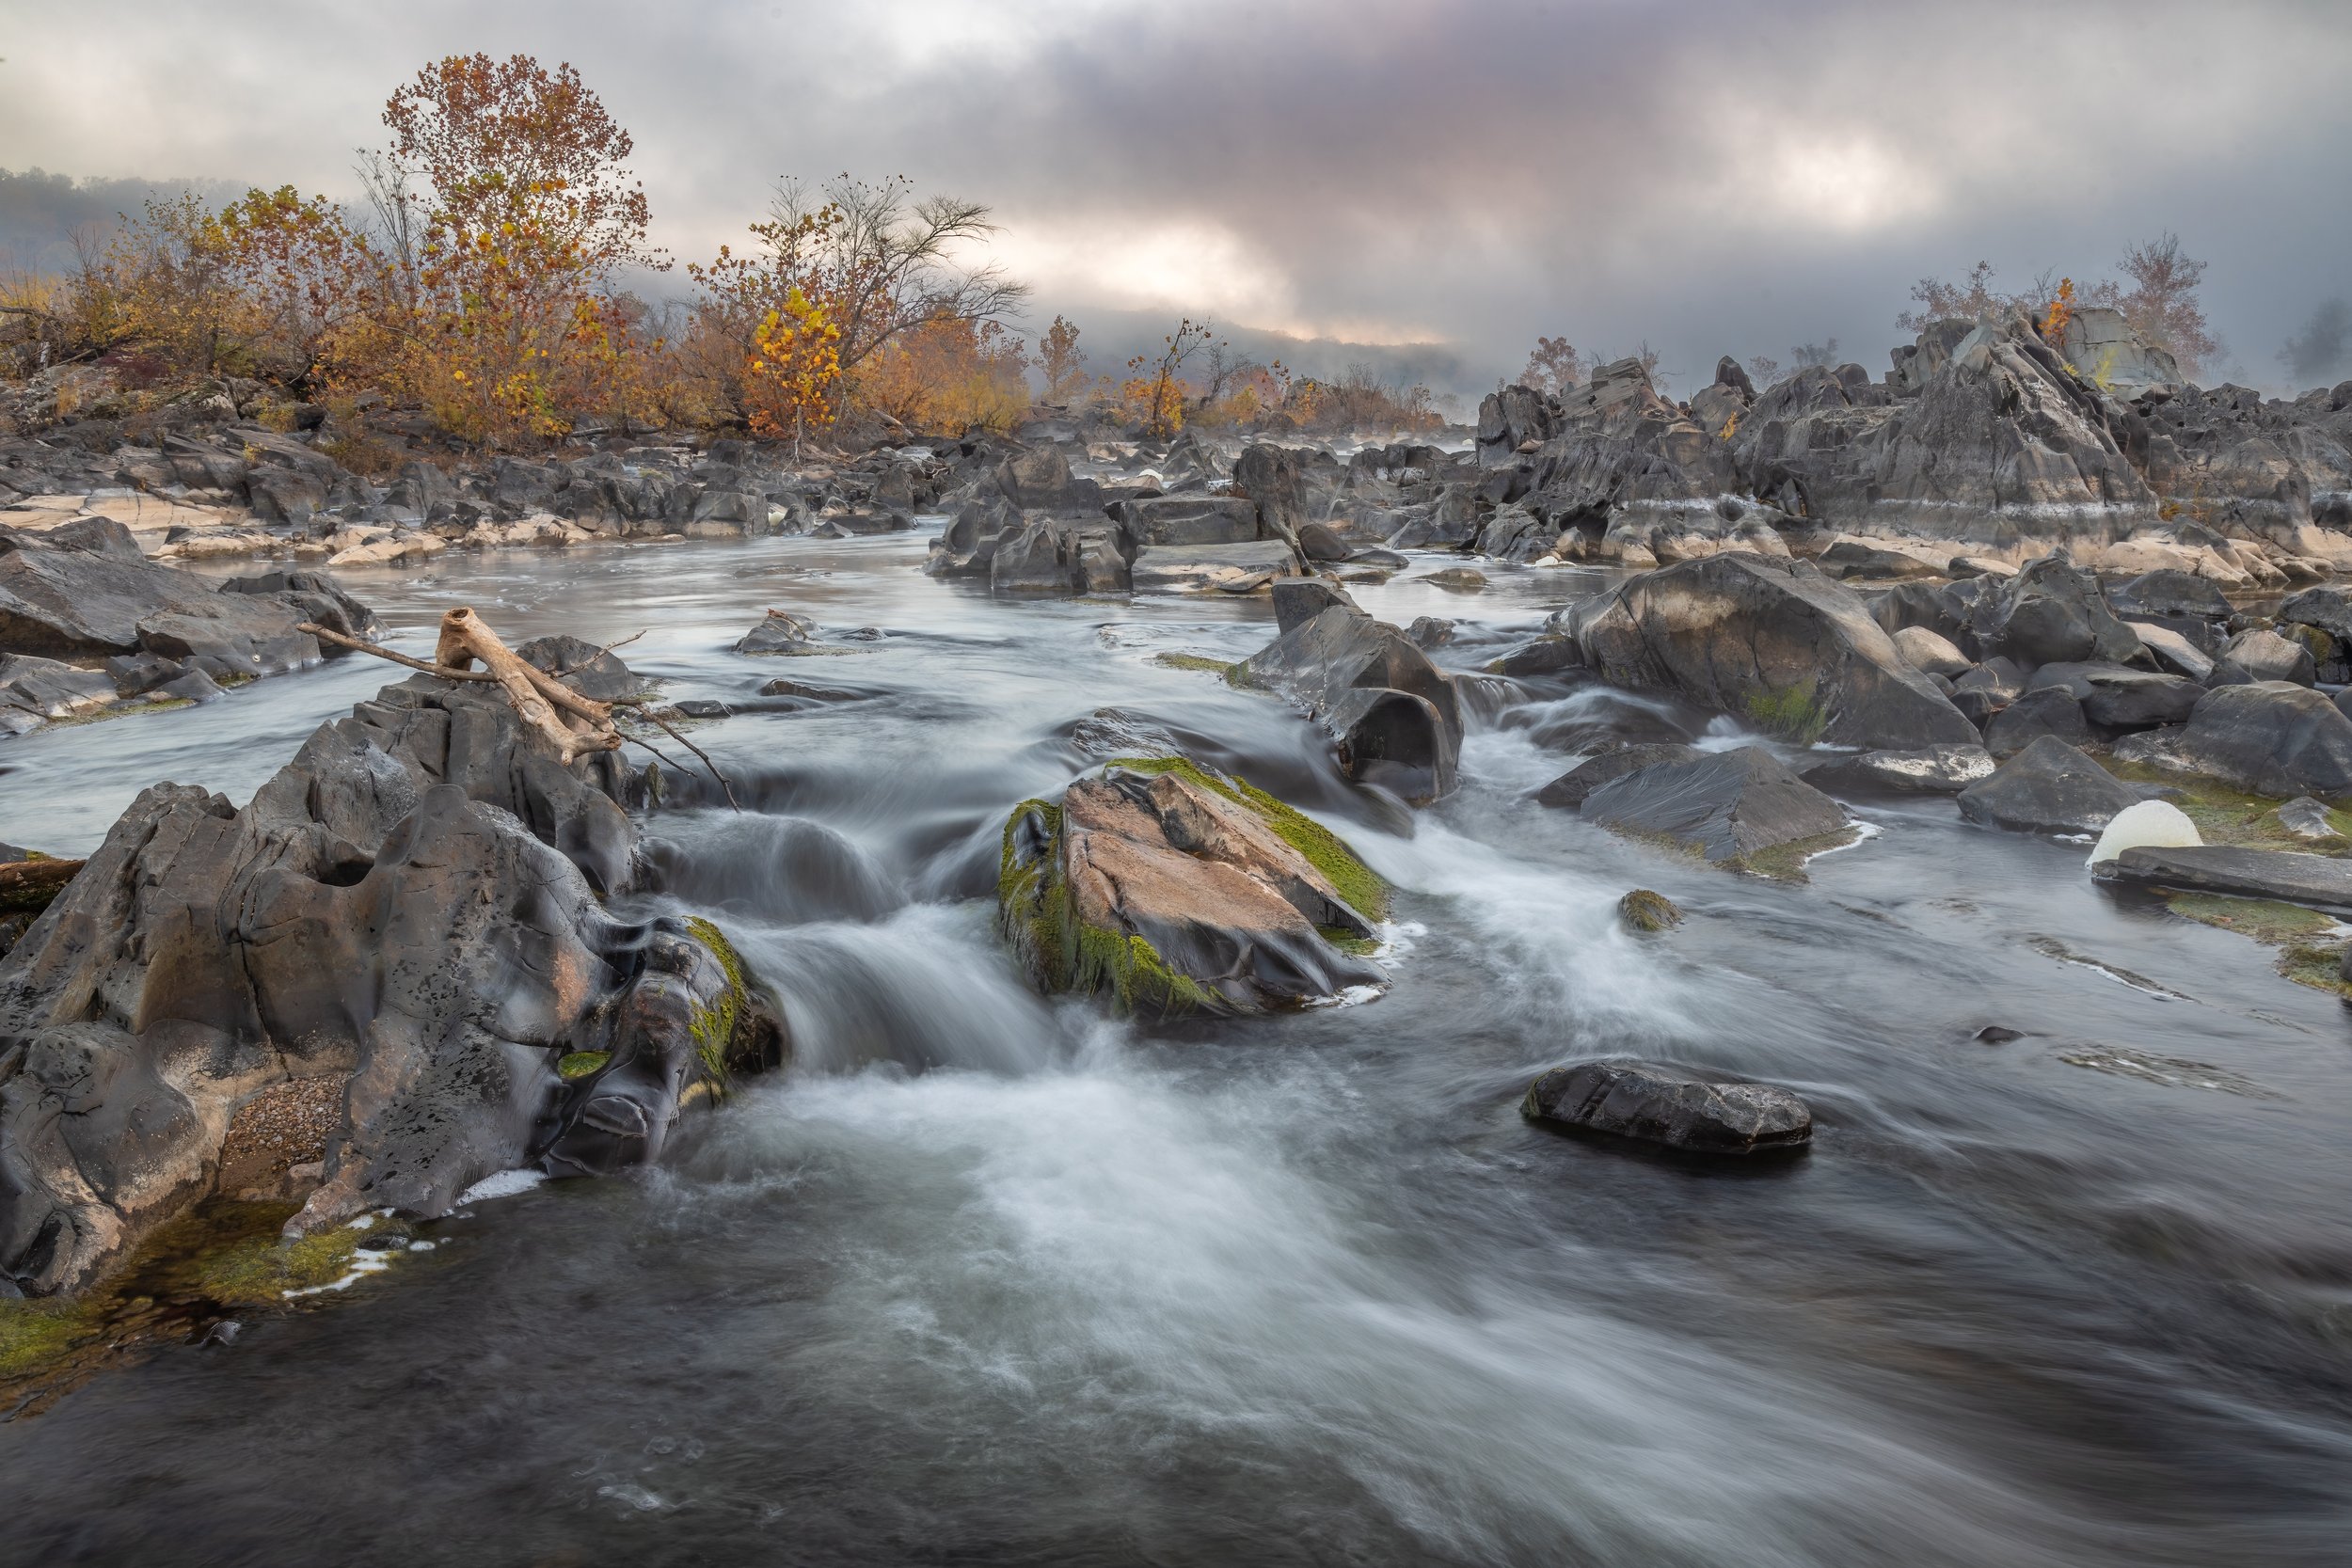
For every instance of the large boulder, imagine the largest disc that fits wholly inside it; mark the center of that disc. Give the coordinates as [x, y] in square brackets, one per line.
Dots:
[2049, 787]
[1171, 889]
[1041, 482]
[2322, 882]
[1743, 809]
[966, 548]
[2052, 612]
[1930, 770]
[1618, 451]
[1664, 1105]
[1202, 569]
[1395, 715]
[1190, 519]
[2271, 737]
[1276, 479]
[1772, 641]
[411, 910]
[1052, 556]
[2101, 348]
[1570, 790]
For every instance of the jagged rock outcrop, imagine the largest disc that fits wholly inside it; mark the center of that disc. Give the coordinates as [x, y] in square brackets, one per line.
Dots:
[411, 909]
[1171, 889]
[1395, 715]
[1772, 641]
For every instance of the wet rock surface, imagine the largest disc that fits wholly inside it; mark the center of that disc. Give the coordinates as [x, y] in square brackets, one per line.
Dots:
[2047, 787]
[1396, 717]
[412, 907]
[1659, 1104]
[1730, 808]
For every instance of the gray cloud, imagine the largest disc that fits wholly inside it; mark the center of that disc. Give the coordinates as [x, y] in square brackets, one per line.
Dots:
[1712, 177]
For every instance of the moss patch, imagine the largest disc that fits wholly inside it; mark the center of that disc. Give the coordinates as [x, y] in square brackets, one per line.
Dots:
[2235, 817]
[1793, 713]
[1645, 911]
[1355, 881]
[1059, 952]
[2309, 953]
[125, 710]
[1785, 863]
[718, 1027]
[1194, 661]
[35, 1334]
[580, 1064]
[259, 1269]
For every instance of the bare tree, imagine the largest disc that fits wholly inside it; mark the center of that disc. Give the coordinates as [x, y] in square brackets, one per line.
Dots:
[2162, 304]
[1222, 366]
[1553, 366]
[1805, 354]
[884, 260]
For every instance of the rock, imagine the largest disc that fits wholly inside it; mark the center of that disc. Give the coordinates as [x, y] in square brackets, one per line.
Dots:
[2328, 608]
[1274, 478]
[1041, 482]
[1461, 580]
[2306, 817]
[1298, 600]
[1543, 655]
[1571, 790]
[1052, 556]
[1194, 519]
[314, 596]
[2102, 347]
[1434, 631]
[410, 906]
[1648, 911]
[1926, 651]
[2048, 787]
[782, 632]
[76, 604]
[1932, 771]
[1662, 1104]
[1742, 809]
[2322, 882]
[595, 673]
[2050, 711]
[2171, 650]
[2050, 612]
[2169, 593]
[1200, 568]
[2264, 656]
[2271, 737]
[2139, 699]
[1395, 715]
[966, 548]
[189, 686]
[1853, 560]
[1774, 643]
[2157, 824]
[1317, 542]
[1173, 889]
[33, 689]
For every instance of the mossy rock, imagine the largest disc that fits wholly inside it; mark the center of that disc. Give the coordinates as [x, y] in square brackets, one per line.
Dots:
[2310, 952]
[1785, 863]
[1061, 954]
[1793, 713]
[1194, 661]
[1645, 911]
[2232, 817]
[730, 1034]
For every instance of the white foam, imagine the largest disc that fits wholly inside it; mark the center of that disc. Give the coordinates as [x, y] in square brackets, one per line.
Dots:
[506, 1183]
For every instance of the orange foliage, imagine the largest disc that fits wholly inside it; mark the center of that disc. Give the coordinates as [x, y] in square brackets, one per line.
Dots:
[2060, 311]
[948, 375]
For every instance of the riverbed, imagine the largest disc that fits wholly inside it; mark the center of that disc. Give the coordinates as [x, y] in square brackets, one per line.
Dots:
[984, 1278]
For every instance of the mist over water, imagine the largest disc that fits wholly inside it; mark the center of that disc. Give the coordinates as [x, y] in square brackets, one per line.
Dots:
[986, 1278]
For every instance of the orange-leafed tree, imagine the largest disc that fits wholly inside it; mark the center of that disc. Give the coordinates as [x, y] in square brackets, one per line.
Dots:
[527, 215]
[1062, 361]
[795, 365]
[948, 376]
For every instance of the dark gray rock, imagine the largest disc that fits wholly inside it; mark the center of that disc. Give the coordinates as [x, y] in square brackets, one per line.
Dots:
[33, 689]
[1932, 770]
[2052, 612]
[1571, 788]
[1320, 541]
[2327, 606]
[78, 604]
[2257, 654]
[782, 632]
[2139, 699]
[1728, 807]
[1395, 715]
[2049, 787]
[2271, 737]
[2172, 652]
[411, 906]
[1194, 519]
[2169, 593]
[1298, 600]
[1772, 642]
[966, 548]
[2051, 711]
[2322, 882]
[1664, 1105]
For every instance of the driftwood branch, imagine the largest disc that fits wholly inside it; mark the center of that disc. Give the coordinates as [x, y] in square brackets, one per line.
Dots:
[471, 635]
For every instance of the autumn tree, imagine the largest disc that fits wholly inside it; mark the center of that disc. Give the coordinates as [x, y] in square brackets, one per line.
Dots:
[1152, 394]
[523, 216]
[1552, 366]
[1062, 361]
[2161, 304]
[948, 375]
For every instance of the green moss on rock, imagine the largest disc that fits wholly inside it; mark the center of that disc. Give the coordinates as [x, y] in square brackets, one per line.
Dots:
[718, 1029]
[1645, 911]
[1349, 877]
[35, 1334]
[1793, 713]
[1061, 953]
[1193, 661]
[580, 1064]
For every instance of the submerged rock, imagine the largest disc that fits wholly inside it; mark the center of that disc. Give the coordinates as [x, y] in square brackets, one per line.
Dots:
[782, 632]
[1742, 809]
[1645, 911]
[1670, 1105]
[1772, 641]
[412, 908]
[1171, 889]
[2048, 787]
[1571, 790]
[1930, 770]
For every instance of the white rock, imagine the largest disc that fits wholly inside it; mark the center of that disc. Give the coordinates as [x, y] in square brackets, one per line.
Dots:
[1931, 652]
[2150, 824]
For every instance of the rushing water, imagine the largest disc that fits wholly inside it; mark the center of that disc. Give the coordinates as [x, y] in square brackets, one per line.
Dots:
[989, 1279]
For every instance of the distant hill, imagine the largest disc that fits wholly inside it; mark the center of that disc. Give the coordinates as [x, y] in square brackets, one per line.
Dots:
[41, 212]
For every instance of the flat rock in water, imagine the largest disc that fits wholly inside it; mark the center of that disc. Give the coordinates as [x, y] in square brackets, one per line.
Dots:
[1728, 807]
[782, 632]
[1930, 770]
[1670, 1105]
[1199, 569]
[2322, 882]
[1570, 789]
[2049, 787]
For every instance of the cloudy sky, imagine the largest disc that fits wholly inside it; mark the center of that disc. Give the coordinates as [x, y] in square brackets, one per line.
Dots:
[1710, 176]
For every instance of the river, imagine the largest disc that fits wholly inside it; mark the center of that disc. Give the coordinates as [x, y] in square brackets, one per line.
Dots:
[984, 1278]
